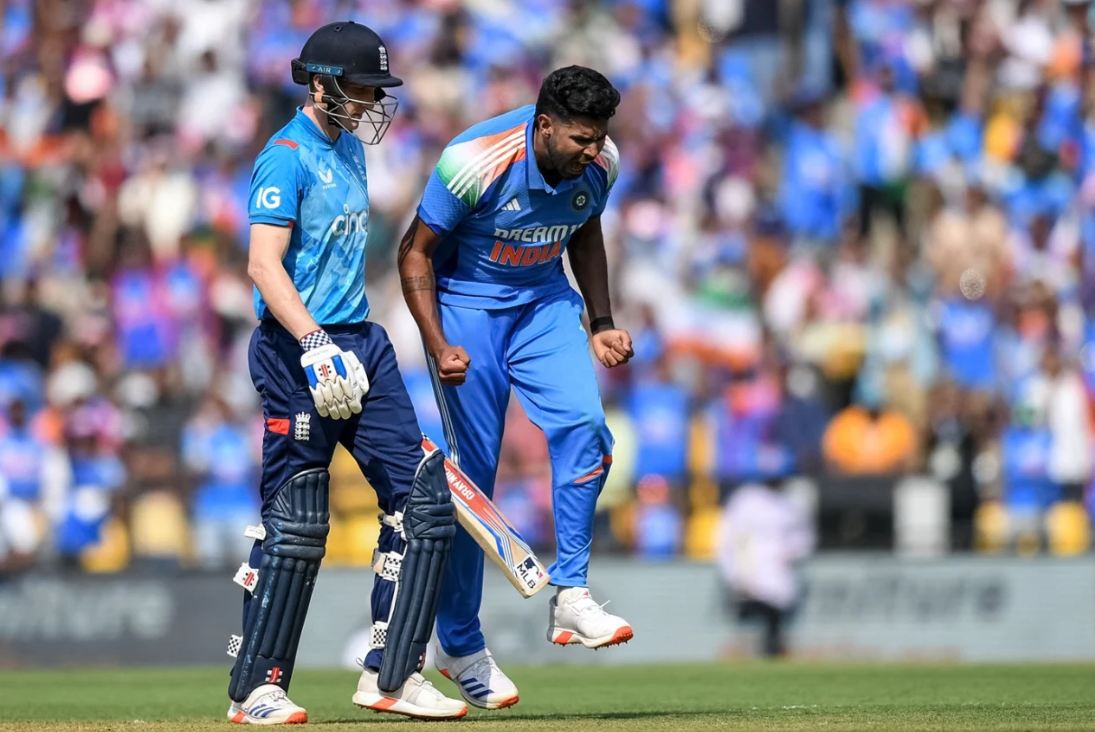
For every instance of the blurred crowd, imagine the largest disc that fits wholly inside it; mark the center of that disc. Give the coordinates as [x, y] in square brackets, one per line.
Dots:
[849, 237]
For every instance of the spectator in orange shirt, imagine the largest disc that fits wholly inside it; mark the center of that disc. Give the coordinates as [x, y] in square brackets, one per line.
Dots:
[868, 439]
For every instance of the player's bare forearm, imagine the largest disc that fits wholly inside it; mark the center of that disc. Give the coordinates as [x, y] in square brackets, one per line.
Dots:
[420, 291]
[586, 249]
[419, 286]
[590, 266]
[264, 265]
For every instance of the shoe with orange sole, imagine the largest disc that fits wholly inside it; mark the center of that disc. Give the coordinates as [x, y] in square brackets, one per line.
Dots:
[575, 618]
[267, 704]
[477, 676]
[417, 698]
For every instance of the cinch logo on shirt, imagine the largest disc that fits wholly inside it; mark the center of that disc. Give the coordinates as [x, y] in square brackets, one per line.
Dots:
[512, 256]
[348, 223]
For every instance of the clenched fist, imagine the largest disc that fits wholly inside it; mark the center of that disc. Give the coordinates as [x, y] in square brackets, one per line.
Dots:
[612, 347]
[452, 365]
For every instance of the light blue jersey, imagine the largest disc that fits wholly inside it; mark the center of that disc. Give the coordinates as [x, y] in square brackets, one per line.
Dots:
[318, 187]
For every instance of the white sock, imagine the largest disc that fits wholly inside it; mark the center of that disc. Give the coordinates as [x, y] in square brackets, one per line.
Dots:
[566, 594]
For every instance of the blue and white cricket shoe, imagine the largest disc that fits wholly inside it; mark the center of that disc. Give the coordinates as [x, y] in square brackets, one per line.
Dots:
[268, 704]
[480, 681]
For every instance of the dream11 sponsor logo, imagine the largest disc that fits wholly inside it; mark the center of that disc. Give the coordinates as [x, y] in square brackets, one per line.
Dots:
[348, 223]
[550, 239]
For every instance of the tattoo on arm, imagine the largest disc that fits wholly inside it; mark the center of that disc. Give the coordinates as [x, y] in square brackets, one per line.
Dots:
[407, 242]
[417, 283]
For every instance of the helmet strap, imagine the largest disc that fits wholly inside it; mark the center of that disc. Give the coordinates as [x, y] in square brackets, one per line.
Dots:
[327, 99]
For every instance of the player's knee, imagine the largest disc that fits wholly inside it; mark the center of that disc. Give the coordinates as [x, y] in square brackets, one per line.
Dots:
[430, 513]
[593, 428]
[299, 520]
[583, 448]
[590, 419]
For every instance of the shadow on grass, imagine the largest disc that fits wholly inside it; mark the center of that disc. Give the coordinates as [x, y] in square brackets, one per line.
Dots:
[503, 717]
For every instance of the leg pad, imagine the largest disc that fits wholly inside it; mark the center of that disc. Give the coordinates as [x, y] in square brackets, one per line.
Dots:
[295, 541]
[429, 524]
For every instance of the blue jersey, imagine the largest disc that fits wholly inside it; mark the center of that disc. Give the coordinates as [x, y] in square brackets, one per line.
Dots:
[318, 187]
[815, 192]
[22, 460]
[503, 228]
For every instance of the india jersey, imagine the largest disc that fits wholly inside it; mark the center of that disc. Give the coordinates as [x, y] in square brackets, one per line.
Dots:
[503, 228]
[318, 187]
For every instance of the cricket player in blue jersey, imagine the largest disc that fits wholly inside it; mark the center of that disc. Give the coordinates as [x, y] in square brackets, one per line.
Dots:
[482, 272]
[327, 376]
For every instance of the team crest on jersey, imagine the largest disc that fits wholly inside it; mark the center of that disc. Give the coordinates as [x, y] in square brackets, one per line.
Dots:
[302, 428]
[580, 200]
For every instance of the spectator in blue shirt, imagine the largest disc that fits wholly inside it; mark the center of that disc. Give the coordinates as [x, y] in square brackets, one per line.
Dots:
[1025, 453]
[747, 447]
[221, 455]
[966, 339]
[97, 475]
[22, 456]
[887, 124]
[658, 523]
[803, 416]
[813, 192]
[659, 411]
[20, 378]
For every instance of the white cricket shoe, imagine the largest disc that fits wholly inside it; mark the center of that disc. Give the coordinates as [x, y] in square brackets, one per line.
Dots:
[575, 618]
[481, 682]
[417, 698]
[268, 704]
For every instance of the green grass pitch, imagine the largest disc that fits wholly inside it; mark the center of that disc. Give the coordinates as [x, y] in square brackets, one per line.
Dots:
[780, 696]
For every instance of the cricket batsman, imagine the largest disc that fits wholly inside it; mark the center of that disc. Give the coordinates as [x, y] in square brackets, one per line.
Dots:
[482, 273]
[327, 376]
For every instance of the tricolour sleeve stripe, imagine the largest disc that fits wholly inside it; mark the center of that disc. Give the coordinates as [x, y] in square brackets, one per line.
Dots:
[504, 156]
[468, 168]
[609, 159]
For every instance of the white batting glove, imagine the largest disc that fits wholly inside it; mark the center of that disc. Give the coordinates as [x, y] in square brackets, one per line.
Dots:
[336, 378]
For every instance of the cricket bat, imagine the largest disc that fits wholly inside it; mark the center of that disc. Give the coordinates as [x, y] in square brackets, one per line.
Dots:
[490, 529]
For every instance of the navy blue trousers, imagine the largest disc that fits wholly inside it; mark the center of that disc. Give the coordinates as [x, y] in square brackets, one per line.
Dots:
[384, 439]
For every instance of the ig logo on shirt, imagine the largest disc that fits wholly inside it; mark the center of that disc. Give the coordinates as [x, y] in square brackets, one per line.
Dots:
[580, 200]
[268, 198]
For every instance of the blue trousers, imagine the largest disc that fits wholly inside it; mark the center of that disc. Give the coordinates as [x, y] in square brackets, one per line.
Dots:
[541, 352]
[384, 439]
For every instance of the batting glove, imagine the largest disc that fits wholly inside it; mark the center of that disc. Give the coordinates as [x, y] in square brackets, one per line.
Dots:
[336, 378]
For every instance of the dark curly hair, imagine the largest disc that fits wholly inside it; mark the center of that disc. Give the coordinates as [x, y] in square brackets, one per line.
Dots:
[577, 92]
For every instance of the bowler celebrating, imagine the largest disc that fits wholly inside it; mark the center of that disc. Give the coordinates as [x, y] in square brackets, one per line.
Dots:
[327, 376]
[482, 272]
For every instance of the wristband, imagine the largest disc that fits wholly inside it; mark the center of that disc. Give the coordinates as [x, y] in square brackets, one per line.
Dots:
[598, 324]
[315, 339]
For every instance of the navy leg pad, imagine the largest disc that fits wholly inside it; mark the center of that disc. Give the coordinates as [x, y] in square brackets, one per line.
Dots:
[296, 540]
[429, 524]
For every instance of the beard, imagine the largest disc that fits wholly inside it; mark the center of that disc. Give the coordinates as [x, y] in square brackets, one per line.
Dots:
[567, 168]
